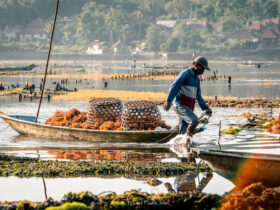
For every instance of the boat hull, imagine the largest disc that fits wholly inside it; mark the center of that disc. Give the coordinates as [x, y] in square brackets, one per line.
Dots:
[65, 133]
[22, 68]
[253, 65]
[246, 168]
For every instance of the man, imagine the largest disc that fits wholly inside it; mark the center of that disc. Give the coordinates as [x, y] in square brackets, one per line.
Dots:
[186, 89]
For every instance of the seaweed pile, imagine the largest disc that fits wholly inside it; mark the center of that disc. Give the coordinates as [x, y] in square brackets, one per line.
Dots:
[274, 125]
[254, 196]
[256, 120]
[245, 103]
[120, 94]
[77, 119]
[262, 120]
[129, 200]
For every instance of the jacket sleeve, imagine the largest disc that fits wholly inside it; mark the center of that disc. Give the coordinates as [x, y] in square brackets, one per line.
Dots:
[176, 86]
[200, 100]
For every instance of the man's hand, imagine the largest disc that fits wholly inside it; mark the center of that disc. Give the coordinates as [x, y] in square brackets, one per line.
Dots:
[209, 112]
[166, 105]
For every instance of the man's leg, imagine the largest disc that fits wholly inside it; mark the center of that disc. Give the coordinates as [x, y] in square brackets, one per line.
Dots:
[189, 117]
[183, 125]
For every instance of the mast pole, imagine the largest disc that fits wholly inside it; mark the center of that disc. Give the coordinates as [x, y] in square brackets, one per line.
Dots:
[50, 48]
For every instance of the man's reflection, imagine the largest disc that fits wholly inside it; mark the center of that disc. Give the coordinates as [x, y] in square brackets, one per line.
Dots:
[184, 153]
[186, 182]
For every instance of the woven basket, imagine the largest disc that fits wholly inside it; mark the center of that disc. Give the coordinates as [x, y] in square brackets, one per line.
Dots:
[140, 115]
[104, 109]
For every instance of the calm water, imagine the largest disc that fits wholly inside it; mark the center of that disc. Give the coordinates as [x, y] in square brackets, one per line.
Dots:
[13, 188]
[257, 82]
[250, 82]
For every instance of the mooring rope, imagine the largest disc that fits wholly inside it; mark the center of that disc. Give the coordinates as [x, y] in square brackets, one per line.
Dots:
[5, 128]
[204, 113]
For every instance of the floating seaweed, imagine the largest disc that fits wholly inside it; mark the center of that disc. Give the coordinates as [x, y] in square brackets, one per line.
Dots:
[37, 167]
[231, 130]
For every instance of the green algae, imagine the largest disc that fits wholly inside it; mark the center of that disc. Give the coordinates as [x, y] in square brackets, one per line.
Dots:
[129, 200]
[70, 206]
[37, 167]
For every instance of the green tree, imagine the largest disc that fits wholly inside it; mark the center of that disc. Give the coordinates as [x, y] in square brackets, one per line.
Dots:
[207, 11]
[179, 9]
[153, 39]
[270, 9]
[172, 44]
[228, 24]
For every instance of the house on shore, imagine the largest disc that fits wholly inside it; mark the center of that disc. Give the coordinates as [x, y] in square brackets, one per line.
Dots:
[11, 32]
[34, 32]
[97, 48]
[242, 35]
[120, 47]
[267, 31]
[270, 37]
[166, 26]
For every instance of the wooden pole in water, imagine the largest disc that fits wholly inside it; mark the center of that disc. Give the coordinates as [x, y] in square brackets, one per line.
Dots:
[50, 47]
[220, 125]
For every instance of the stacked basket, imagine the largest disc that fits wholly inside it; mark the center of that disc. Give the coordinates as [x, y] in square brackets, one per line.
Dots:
[140, 115]
[104, 109]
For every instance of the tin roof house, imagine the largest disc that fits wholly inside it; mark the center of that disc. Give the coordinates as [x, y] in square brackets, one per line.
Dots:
[11, 32]
[34, 32]
[270, 37]
[242, 35]
[97, 48]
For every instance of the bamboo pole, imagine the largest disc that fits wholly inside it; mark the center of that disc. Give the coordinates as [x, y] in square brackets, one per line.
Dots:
[50, 48]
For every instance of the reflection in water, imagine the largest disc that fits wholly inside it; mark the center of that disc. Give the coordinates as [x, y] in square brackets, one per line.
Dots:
[245, 168]
[241, 88]
[13, 188]
[107, 155]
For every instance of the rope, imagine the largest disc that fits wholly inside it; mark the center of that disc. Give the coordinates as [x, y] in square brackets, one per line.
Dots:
[204, 113]
[166, 137]
[4, 128]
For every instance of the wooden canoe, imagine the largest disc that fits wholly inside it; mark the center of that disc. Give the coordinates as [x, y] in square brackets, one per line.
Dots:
[25, 125]
[246, 168]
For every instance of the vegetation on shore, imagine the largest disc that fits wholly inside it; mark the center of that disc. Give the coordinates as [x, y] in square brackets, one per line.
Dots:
[134, 22]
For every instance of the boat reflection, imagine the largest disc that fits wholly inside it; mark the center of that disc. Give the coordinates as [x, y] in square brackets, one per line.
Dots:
[111, 154]
[244, 168]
